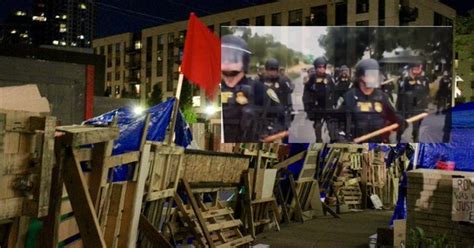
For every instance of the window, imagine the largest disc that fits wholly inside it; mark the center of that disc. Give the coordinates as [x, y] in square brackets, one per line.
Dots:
[182, 37]
[102, 50]
[117, 75]
[159, 63]
[118, 46]
[169, 82]
[117, 90]
[381, 12]
[318, 16]
[260, 21]
[62, 28]
[362, 23]
[211, 28]
[440, 20]
[109, 60]
[472, 84]
[149, 44]
[223, 28]
[243, 22]
[138, 44]
[276, 19]
[148, 72]
[295, 18]
[109, 76]
[341, 14]
[109, 49]
[362, 6]
[170, 37]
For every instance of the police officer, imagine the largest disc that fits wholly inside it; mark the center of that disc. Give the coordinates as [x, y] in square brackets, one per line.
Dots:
[443, 96]
[413, 95]
[316, 96]
[282, 86]
[342, 84]
[366, 106]
[250, 110]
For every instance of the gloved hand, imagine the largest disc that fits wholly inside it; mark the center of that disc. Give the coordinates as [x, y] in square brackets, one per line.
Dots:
[403, 124]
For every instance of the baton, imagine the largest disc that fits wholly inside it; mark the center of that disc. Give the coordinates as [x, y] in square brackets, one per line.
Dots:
[276, 136]
[388, 128]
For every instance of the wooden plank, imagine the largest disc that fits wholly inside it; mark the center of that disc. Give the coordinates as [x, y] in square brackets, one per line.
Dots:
[197, 212]
[114, 218]
[121, 159]
[11, 208]
[293, 159]
[223, 225]
[247, 199]
[237, 242]
[133, 202]
[81, 202]
[66, 207]
[49, 234]
[42, 196]
[82, 135]
[67, 228]
[152, 234]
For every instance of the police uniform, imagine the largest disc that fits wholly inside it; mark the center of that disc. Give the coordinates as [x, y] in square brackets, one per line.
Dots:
[341, 86]
[283, 89]
[443, 96]
[413, 97]
[317, 100]
[368, 113]
[250, 111]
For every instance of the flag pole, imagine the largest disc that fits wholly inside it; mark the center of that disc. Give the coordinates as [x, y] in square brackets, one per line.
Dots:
[174, 114]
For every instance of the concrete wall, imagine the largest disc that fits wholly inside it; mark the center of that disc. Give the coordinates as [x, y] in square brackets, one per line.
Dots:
[62, 83]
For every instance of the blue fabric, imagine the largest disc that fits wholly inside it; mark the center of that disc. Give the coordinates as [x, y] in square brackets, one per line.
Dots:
[131, 128]
[461, 147]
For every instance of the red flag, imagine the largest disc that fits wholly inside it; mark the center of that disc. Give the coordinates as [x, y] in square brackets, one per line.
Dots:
[202, 56]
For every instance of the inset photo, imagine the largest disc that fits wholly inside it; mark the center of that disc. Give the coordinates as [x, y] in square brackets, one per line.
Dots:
[336, 84]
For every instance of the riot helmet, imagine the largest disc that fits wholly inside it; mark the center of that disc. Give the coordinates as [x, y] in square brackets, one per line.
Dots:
[369, 71]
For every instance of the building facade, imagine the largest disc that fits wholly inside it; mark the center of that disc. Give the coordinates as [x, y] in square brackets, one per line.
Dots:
[464, 66]
[66, 23]
[136, 62]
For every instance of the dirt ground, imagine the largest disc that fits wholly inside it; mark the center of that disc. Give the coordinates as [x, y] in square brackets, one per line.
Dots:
[352, 230]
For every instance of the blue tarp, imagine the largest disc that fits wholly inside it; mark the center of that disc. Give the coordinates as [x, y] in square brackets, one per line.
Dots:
[460, 149]
[131, 128]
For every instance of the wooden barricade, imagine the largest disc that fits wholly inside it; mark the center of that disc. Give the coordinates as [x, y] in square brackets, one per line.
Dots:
[26, 163]
[95, 212]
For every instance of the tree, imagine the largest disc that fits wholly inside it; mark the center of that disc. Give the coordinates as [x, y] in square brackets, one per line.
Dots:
[156, 95]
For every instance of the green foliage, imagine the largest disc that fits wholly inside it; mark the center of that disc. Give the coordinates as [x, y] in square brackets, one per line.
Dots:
[156, 96]
[186, 98]
[417, 239]
[189, 115]
[265, 47]
[347, 45]
[465, 24]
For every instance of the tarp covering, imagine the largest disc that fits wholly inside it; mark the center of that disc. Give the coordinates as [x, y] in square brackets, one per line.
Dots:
[131, 127]
[460, 149]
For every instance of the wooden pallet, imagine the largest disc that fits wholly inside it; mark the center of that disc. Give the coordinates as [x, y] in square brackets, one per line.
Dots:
[102, 213]
[212, 226]
[26, 164]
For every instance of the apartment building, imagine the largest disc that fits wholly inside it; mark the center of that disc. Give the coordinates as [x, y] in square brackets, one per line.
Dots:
[136, 62]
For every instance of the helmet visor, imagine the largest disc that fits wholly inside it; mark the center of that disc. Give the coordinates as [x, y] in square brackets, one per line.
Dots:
[232, 54]
[372, 78]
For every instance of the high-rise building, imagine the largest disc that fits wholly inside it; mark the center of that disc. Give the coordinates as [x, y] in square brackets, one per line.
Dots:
[16, 29]
[52, 22]
[153, 56]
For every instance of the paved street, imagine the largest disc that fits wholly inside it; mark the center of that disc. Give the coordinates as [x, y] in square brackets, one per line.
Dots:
[301, 129]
